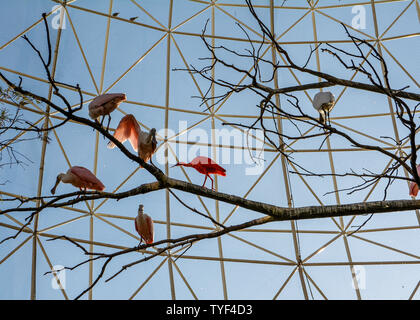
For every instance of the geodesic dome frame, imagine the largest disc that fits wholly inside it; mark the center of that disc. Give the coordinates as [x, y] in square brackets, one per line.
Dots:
[104, 53]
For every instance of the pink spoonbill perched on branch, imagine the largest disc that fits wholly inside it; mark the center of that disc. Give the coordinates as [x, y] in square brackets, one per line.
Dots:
[104, 104]
[205, 166]
[79, 177]
[142, 142]
[144, 226]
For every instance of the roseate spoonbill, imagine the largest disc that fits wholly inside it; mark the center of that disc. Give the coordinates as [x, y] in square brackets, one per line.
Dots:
[144, 226]
[144, 143]
[205, 166]
[79, 177]
[104, 104]
[324, 102]
[414, 188]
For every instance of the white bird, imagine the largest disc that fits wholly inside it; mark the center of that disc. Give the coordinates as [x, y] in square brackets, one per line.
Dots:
[144, 226]
[323, 102]
[142, 142]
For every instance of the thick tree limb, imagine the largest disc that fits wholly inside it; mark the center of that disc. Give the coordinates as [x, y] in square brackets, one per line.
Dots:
[272, 212]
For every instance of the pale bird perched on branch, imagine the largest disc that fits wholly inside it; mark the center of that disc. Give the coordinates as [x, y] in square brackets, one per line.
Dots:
[79, 177]
[142, 142]
[323, 102]
[144, 226]
[414, 188]
[104, 104]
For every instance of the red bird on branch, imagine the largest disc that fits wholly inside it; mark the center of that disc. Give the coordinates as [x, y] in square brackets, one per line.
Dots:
[205, 166]
[79, 177]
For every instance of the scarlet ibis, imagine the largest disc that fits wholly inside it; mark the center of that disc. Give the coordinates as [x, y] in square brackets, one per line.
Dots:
[414, 188]
[142, 142]
[323, 102]
[79, 177]
[144, 226]
[205, 166]
[104, 104]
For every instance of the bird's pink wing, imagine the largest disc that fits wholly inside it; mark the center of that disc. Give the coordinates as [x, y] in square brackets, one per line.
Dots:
[96, 104]
[414, 189]
[88, 178]
[100, 105]
[128, 128]
[201, 160]
[150, 231]
[216, 169]
[134, 135]
[209, 164]
[104, 98]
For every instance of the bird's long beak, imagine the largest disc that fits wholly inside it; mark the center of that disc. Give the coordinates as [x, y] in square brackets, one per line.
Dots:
[154, 138]
[181, 164]
[56, 184]
[322, 117]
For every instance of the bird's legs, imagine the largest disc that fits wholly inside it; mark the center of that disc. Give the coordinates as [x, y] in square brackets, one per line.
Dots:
[109, 121]
[97, 122]
[78, 196]
[102, 121]
[207, 175]
[141, 241]
[205, 180]
[211, 183]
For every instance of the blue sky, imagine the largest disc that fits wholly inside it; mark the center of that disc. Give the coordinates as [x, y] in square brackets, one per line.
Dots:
[138, 61]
